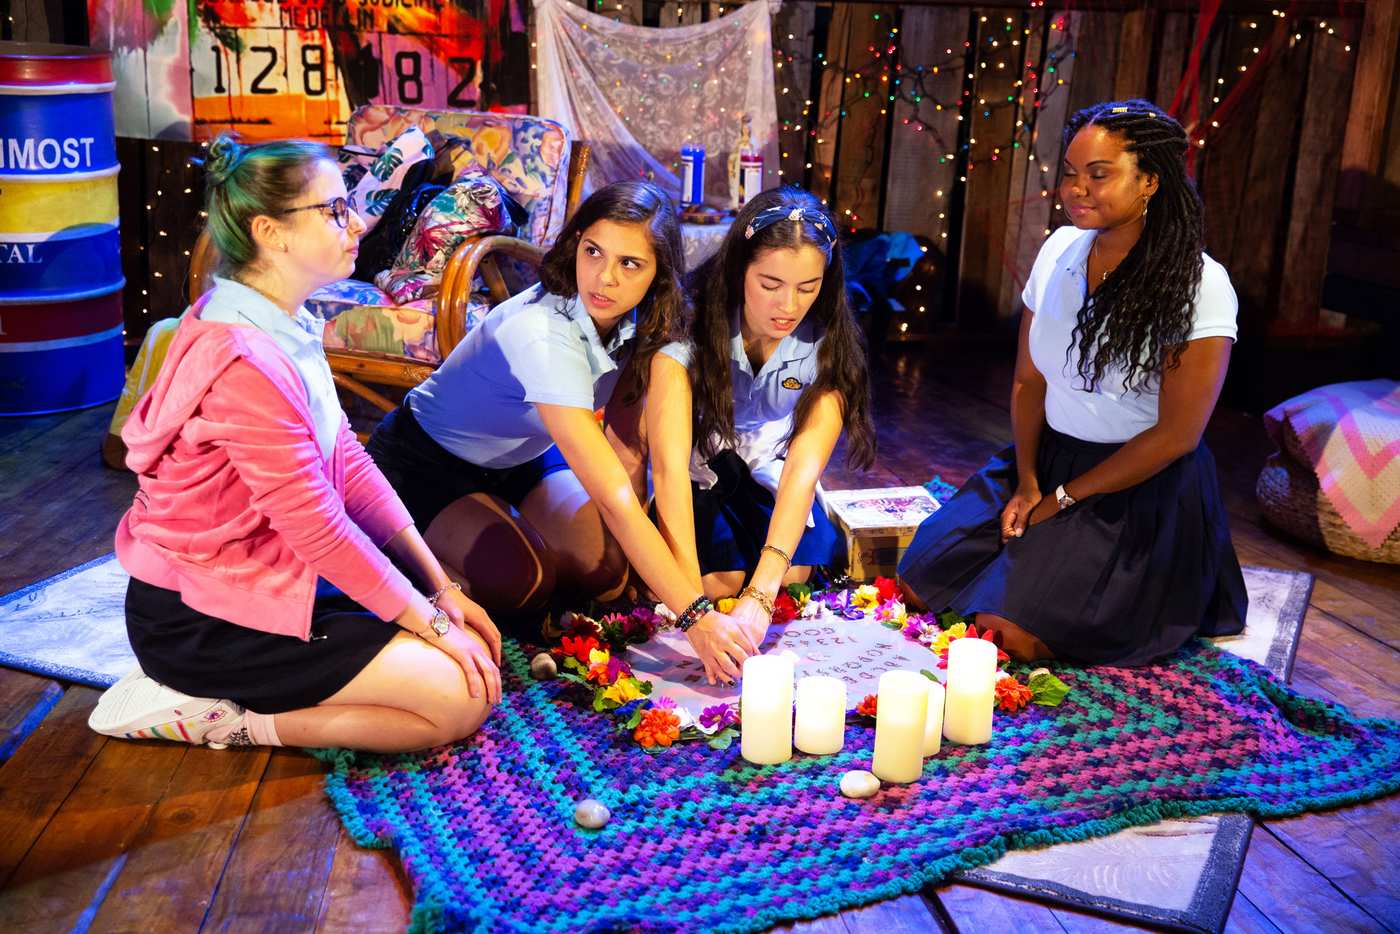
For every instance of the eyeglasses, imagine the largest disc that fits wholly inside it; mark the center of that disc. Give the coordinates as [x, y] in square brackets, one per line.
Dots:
[339, 208]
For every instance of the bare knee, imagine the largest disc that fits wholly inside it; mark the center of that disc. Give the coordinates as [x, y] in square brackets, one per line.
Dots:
[454, 715]
[719, 584]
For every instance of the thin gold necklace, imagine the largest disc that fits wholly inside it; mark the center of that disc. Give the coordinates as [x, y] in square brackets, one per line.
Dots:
[1094, 252]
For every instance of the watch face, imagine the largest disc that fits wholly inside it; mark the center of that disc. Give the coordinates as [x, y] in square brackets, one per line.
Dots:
[441, 623]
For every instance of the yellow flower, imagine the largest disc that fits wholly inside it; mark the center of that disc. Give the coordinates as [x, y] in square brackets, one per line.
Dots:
[895, 613]
[866, 597]
[623, 690]
[940, 641]
[726, 605]
[597, 657]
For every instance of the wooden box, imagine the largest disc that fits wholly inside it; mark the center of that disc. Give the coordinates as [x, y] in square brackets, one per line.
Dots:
[878, 525]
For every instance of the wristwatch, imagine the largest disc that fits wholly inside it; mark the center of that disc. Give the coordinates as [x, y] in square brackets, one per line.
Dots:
[440, 623]
[1063, 498]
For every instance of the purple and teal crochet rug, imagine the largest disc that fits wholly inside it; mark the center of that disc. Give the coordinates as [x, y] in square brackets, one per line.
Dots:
[701, 841]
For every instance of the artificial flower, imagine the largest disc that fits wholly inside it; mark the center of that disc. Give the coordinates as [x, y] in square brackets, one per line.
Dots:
[579, 646]
[659, 727]
[866, 597]
[801, 593]
[1011, 695]
[713, 719]
[784, 608]
[940, 641]
[578, 626]
[892, 613]
[726, 604]
[867, 707]
[623, 690]
[886, 588]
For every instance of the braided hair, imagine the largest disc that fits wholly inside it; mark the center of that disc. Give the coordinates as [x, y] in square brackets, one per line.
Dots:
[1139, 318]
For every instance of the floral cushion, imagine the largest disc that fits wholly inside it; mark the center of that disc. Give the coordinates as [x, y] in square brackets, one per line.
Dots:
[528, 155]
[373, 183]
[474, 204]
[360, 317]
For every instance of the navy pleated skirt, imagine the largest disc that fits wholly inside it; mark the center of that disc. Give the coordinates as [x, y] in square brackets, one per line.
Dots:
[1123, 578]
[731, 522]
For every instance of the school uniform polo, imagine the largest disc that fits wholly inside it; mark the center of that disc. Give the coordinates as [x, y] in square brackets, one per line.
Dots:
[735, 492]
[1055, 292]
[298, 336]
[535, 348]
[764, 402]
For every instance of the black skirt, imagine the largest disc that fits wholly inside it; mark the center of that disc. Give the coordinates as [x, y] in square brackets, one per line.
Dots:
[205, 656]
[732, 517]
[429, 478]
[1123, 578]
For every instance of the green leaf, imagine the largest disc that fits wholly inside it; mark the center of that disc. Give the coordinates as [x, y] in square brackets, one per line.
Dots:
[949, 618]
[893, 624]
[799, 592]
[928, 674]
[635, 719]
[643, 686]
[1047, 690]
[723, 739]
[574, 664]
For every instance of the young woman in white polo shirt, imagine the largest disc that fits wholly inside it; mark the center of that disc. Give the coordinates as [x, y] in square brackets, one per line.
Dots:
[1100, 536]
[499, 457]
[777, 370]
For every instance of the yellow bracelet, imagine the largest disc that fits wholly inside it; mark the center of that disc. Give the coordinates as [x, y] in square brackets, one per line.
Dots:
[763, 599]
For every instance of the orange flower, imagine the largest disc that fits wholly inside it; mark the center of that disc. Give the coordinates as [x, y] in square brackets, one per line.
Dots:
[1011, 694]
[866, 708]
[659, 727]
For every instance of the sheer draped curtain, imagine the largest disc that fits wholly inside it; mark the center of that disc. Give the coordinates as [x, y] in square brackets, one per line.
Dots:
[637, 94]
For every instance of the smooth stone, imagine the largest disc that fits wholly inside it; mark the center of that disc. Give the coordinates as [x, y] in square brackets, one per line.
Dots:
[592, 814]
[543, 667]
[859, 783]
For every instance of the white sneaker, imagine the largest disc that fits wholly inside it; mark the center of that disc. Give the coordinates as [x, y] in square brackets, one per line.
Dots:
[137, 707]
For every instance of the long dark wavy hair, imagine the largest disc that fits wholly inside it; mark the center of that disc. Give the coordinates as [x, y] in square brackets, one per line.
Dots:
[718, 287]
[1139, 318]
[663, 314]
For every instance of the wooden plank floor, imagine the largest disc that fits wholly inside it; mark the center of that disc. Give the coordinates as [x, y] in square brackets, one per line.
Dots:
[110, 835]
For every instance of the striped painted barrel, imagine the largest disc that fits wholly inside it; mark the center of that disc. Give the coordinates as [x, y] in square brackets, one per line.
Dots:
[60, 252]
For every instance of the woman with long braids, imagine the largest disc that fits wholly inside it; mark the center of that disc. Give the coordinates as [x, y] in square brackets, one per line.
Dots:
[777, 371]
[1100, 536]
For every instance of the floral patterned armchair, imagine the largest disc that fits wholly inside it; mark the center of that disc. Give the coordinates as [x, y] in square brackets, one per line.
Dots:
[373, 338]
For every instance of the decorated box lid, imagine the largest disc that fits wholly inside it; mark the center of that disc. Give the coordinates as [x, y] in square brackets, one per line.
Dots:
[889, 510]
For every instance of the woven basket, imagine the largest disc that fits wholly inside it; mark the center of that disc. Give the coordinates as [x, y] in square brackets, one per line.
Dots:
[1289, 496]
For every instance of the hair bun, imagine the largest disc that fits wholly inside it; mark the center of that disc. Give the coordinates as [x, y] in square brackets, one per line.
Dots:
[225, 154]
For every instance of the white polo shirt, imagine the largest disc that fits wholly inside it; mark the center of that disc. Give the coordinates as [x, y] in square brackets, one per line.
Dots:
[1111, 413]
[764, 402]
[298, 336]
[535, 347]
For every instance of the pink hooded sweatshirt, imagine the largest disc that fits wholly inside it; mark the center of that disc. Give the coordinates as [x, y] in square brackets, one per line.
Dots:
[237, 510]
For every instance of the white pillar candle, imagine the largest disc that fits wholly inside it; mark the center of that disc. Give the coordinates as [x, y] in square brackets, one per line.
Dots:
[765, 725]
[821, 715]
[933, 724]
[971, 691]
[900, 713]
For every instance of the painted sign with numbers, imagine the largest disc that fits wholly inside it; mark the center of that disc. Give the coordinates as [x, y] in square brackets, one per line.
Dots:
[271, 69]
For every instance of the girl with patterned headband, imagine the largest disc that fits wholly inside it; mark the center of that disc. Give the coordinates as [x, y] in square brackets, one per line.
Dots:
[776, 369]
[1100, 536]
[498, 455]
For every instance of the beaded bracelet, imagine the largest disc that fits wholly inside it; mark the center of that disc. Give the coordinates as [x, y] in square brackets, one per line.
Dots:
[763, 599]
[694, 613]
[450, 585]
[779, 552]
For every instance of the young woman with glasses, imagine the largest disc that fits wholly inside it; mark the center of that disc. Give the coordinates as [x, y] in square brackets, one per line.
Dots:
[263, 608]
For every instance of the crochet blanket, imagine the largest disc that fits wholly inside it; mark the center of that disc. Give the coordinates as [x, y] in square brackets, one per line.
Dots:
[701, 841]
[1350, 434]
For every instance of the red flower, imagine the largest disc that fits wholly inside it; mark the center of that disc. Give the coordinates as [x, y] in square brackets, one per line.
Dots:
[867, 707]
[1011, 694]
[784, 608]
[579, 647]
[887, 589]
[659, 727]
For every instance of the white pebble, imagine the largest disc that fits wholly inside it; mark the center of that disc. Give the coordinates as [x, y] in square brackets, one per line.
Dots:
[591, 814]
[859, 783]
[543, 667]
